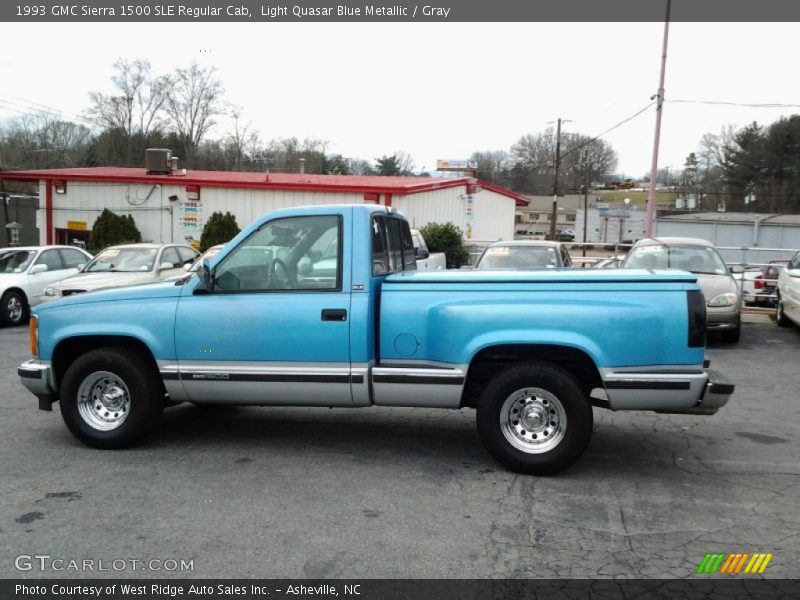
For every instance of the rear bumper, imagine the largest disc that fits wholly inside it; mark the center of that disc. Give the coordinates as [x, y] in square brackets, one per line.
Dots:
[698, 391]
[37, 376]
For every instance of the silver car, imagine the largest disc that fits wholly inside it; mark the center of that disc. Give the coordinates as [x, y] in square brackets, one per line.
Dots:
[130, 264]
[699, 257]
[524, 255]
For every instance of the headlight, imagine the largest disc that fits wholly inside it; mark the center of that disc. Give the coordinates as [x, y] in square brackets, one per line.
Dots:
[50, 291]
[726, 299]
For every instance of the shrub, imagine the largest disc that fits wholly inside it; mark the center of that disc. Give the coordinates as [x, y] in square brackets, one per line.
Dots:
[219, 229]
[447, 238]
[110, 229]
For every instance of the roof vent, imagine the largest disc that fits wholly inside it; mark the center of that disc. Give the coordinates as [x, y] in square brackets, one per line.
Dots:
[158, 161]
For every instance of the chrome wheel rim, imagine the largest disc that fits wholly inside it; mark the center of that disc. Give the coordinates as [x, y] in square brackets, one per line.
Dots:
[103, 401]
[14, 308]
[533, 420]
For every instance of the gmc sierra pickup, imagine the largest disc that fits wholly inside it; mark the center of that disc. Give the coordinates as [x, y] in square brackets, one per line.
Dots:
[323, 306]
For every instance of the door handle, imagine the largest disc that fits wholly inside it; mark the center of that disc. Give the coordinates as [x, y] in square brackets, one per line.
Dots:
[334, 314]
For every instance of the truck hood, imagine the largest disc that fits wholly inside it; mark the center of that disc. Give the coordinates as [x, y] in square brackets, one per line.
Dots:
[544, 276]
[97, 281]
[138, 292]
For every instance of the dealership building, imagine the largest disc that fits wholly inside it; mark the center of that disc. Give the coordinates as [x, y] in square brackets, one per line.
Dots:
[172, 205]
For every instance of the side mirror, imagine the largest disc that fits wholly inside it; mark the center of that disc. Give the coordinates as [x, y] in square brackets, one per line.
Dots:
[165, 266]
[80, 266]
[38, 269]
[208, 276]
[187, 266]
[737, 269]
[421, 253]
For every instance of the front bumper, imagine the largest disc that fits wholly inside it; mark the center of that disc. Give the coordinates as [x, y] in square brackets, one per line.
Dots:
[37, 376]
[673, 391]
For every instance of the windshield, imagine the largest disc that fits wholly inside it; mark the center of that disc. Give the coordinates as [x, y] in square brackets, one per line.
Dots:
[518, 257]
[123, 260]
[695, 259]
[16, 261]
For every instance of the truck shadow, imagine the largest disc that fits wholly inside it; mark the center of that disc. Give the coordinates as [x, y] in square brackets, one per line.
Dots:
[394, 436]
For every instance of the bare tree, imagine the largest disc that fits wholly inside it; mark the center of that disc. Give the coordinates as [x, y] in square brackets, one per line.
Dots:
[138, 106]
[194, 99]
[238, 139]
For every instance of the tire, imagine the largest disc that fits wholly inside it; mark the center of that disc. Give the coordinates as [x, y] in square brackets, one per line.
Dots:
[128, 398]
[14, 308]
[732, 336]
[534, 447]
[780, 316]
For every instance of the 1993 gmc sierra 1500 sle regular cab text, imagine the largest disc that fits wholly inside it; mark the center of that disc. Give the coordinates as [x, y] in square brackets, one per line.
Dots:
[323, 306]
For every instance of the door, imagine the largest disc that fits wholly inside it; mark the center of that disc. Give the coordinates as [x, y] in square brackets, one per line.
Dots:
[56, 271]
[275, 328]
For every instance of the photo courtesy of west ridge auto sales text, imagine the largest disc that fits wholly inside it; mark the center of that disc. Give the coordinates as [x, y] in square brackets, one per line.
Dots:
[386, 301]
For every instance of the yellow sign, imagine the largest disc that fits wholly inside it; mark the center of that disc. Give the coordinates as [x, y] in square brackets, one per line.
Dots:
[77, 225]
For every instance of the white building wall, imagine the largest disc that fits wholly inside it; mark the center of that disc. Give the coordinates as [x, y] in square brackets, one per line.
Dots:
[492, 215]
[182, 220]
[162, 220]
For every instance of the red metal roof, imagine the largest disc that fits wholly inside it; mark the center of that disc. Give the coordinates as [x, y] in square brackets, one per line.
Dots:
[249, 179]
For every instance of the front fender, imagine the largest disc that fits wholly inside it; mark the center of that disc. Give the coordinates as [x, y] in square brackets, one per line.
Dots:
[152, 322]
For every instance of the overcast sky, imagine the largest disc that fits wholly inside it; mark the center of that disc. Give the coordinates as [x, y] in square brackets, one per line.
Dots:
[434, 90]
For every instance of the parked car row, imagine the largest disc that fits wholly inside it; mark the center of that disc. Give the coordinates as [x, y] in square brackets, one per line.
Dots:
[787, 309]
[36, 274]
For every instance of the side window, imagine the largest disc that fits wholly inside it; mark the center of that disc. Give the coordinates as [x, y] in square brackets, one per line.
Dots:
[170, 255]
[392, 246]
[380, 247]
[187, 254]
[407, 246]
[395, 244]
[51, 258]
[295, 253]
[73, 259]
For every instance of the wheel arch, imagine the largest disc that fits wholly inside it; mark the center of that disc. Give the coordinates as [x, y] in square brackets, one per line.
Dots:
[67, 350]
[490, 360]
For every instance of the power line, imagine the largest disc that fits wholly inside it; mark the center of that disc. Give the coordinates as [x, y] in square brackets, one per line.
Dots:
[742, 104]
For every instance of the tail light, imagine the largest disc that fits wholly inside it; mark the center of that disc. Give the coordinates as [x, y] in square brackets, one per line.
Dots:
[759, 282]
[696, 306]
[33, 335]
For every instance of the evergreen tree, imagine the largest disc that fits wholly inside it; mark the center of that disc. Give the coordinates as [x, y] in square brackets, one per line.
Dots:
[219, 229]
[110, 229]
[447, 238]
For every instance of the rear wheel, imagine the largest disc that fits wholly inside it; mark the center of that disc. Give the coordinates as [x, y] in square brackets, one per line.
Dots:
[111, 398]
[534, 419]
[13, 308]
[780, 316]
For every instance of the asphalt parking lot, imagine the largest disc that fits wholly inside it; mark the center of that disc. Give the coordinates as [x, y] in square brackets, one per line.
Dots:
[254, 492]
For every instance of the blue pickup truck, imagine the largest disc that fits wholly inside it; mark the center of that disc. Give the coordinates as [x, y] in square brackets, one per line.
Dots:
[323, 306]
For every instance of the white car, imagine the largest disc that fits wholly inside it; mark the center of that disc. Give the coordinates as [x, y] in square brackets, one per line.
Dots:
[788, 303]
[26, 271]
[425, 260]
[130, 264]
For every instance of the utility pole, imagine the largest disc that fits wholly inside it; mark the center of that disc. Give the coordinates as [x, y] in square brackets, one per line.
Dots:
[651, 196]
[585, 199]
[554, 214]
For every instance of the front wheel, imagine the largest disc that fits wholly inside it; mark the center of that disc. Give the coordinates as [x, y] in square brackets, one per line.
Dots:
[534, 419]
[14, 308]
[111, 398]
